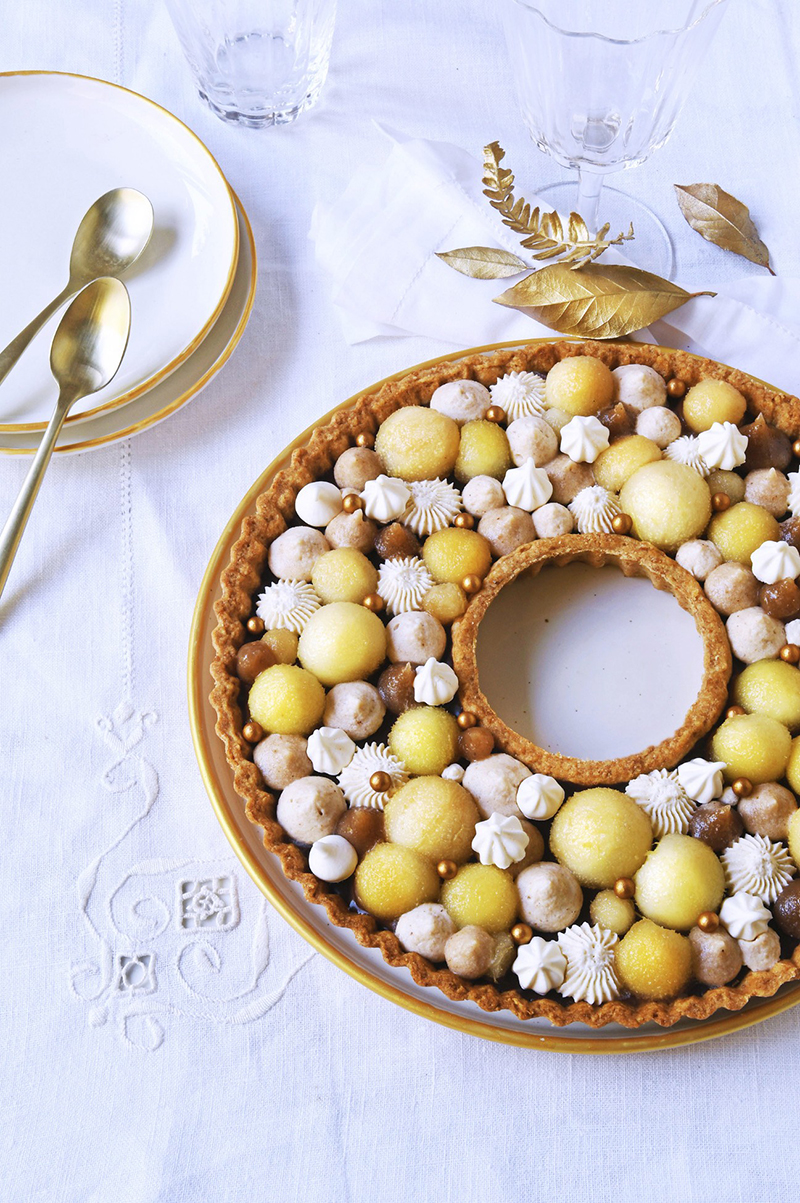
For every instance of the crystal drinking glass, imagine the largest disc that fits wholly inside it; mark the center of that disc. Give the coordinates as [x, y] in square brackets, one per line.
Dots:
[256, 62]
[600, 85]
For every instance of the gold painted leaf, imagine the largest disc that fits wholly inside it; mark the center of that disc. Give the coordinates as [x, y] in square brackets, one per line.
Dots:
[597, 301]
[483, 262]
[722, 219]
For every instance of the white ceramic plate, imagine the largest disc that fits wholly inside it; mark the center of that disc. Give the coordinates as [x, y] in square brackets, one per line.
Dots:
[64, 141]
[641, 616]
[174, 391]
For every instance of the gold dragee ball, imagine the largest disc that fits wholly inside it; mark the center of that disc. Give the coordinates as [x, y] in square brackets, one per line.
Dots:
[796, 448]
[495, 413]
[621, 524]
[374, 602]
[471, 584]
[364, 439]
[447, 869]
[790, 653]
[252, 732]
[720, 502]
[676, 388]
[742, 787]
[708, 921]
[467, 719]
[624, 887]
[352, 502]
[464, 521]
[521, 933]
[734, 711]
[255, 625]
[380, 782]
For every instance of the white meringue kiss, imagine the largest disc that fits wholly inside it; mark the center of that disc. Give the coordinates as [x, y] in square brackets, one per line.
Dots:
[775, 561]
[702, 779]
[583, 439]
[332, 858]
[500, 840]
[527, 487]
[435, 684]
[539, 796]
[540, 965]
[318, 502]
[385, 498]
[722, 446]
[330, 750]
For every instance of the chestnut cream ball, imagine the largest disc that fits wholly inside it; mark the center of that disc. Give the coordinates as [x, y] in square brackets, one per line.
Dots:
[768, 810]
[493, 783]
[425, 930]
[391, 880]
[531, 437]
[342, 642]
[469, 952]
[731, 587]
[461, 400]
[667, 502]
[550, 898]
[434, 817]
[417, 443]
[711, 401]
[413, 637]
[355, 707]
[483, 896]
[506, 529]
[282, 759]
[601, 835]
[681, 878]
[716, 956]
[309, 808]
[653, 962]
[752, 746]
[355, 467]
[579, 385]
[293, 554]
[639, 387]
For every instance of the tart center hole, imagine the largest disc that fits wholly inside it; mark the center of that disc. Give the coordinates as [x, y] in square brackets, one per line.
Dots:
[589, 663]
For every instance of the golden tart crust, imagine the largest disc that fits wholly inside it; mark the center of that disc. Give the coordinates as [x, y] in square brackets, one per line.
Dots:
[242, 577]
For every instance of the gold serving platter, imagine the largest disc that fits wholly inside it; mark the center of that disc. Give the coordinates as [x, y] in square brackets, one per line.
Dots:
[365, 965]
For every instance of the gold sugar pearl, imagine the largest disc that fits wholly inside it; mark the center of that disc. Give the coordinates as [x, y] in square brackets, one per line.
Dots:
[352, 502]
[708, 922]
[467, 719]
[521, 933]
[464, 521]
[742, 787]
[447, 869]
[621, 524]
[675, 387]
[624, 888]
[364, 439]
[471, 584]
[495, 413]
[252, 732]
[374, 602]
[380, 782]
[720, 502]
[796, 448]
[734, 711]
[255, 625]
[790, 653]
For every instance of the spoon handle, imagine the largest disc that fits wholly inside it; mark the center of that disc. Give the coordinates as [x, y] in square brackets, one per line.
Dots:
[10, 354]
[11, 534]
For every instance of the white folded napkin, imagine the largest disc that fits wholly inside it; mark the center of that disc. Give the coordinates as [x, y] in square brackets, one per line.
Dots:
[378, 241]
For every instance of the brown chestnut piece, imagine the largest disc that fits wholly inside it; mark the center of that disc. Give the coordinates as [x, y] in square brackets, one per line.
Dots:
[396, 687]
[766, 446]
[786, 910]
[617, 420]
[476, 743]
[252, 659]
[790, 532]
[716, 824]
[396, 540]
[362, 827]
[781, 600]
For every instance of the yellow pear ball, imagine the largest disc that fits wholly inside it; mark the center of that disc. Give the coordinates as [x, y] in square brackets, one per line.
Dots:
[391, 880]
[417, 443]
[618, 462]
[282, 644]
[342, 642]
[667, 502]
[579, 385]
[681, 878]
[737, 532]
[446, 602]
[286, 700]
[793, 770]
[770, 687]
[794, 837]
[484, 451]
[711, 401]
[613, 913]
[730, 483]
[483, 896]
[753, 746]
[652, 962]
[344, 575]
[433, 816]
[601, 835]
[451, 554]
[425, 739]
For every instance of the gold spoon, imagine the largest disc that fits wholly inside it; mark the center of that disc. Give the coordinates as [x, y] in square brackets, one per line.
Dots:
[87, 350]
[111, 236]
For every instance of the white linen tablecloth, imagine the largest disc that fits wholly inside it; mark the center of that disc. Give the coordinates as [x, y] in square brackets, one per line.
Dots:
[149, 1053]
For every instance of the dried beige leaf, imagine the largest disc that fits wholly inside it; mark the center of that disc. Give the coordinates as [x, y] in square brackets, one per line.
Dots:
[722, 219]
[597, 301]
[483, 262]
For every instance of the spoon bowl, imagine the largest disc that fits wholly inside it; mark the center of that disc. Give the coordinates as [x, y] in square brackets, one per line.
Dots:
[111, 236]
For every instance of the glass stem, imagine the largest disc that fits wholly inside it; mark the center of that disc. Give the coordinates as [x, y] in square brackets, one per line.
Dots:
[590, 184]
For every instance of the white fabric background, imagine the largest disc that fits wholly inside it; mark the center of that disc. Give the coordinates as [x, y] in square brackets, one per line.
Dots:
[233, 1078]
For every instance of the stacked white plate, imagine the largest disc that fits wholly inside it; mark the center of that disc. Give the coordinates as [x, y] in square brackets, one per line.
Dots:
[66, 140]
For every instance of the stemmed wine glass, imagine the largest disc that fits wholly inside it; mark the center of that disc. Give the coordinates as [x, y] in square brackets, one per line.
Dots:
[600, 85]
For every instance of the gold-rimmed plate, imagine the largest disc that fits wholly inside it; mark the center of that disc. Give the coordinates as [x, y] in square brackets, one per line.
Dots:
[66, 140]
[339, 945]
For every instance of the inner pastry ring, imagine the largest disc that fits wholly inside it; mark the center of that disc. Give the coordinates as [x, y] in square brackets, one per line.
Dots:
[632, 558]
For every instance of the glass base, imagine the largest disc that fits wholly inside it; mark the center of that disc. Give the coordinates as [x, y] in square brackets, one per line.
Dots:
[259, 120]
[651, 248]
